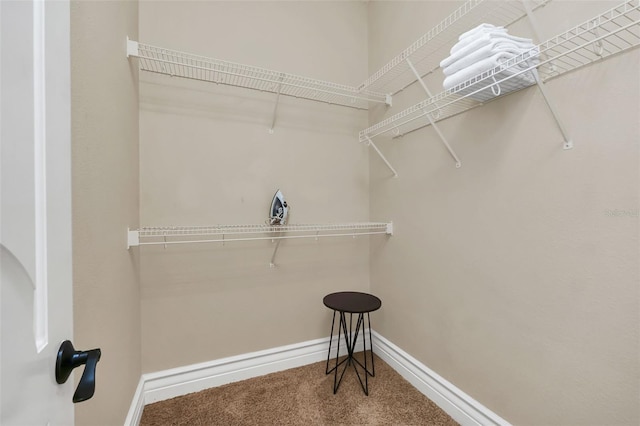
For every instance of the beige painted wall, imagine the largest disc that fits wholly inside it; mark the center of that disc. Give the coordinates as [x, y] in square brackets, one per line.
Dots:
[506, 276]
[105, 202]
[510, 277]
[206, 158]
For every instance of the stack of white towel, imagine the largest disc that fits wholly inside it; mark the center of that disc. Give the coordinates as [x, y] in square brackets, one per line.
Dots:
[484, 48]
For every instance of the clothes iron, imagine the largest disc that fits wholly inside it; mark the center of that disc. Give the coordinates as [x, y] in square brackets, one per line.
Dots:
[279, 210]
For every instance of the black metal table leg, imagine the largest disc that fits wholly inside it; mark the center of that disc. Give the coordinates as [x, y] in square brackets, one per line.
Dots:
[333, 321]
[351, 339]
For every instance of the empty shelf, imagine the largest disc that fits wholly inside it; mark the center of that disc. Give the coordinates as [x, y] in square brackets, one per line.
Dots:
[185, 65]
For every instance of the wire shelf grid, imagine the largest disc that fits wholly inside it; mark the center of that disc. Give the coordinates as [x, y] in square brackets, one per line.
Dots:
[612, 32]
[426, 52]
[227, 233]
[185, 65]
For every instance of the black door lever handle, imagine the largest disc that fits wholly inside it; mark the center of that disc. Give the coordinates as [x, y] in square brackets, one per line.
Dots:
[68, 359]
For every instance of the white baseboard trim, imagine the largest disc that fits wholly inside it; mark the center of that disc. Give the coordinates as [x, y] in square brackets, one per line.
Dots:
[460, 406]
[137, 406]
[162, 385]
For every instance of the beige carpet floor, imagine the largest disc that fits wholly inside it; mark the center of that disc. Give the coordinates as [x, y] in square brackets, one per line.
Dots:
[302, 396]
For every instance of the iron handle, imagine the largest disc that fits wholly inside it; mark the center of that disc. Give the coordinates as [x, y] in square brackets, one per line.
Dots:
[68, 359]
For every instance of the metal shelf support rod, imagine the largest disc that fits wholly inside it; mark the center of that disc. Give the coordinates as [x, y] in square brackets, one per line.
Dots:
[533, 21]
[275, 250]
[370, 143]
[568, 143]
[433, 124]
[275, 108]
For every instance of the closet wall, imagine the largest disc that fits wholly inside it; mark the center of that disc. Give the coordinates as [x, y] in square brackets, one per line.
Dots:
[206, 157]
[516, 276]
[104, 119]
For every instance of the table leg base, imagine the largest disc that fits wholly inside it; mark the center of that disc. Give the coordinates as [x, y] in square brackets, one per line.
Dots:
[351, 338]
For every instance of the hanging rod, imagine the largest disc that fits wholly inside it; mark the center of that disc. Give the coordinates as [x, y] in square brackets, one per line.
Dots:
[186, 65]
[220, 233]
[426, 52]
[607, 34]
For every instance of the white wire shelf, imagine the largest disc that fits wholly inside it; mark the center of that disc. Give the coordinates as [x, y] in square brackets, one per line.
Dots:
[228, 233]
[186, 65]
[426, 52]
[607, 34]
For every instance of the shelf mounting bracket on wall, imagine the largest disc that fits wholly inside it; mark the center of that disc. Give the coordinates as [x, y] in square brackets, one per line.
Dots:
[132, 48]
[431, 121]
[568, 143]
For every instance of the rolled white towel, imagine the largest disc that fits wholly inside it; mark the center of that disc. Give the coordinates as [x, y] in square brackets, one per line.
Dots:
[482, 29]
[483, 52]
[483, 41]
[486, 37]
[487, 64]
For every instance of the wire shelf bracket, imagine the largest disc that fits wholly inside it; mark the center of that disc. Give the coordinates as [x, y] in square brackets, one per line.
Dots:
[568, 143]
[132, 48]
[275, 107]
[370, 143]
[273, 256]
[430, 119]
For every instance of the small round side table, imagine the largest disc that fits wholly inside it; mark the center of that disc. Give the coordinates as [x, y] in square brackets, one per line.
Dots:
[351, 302]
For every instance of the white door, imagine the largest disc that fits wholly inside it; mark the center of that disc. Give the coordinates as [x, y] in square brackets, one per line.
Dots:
[35, 211]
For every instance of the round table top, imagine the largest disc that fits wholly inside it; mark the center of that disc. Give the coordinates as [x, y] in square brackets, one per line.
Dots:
[352, 302]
